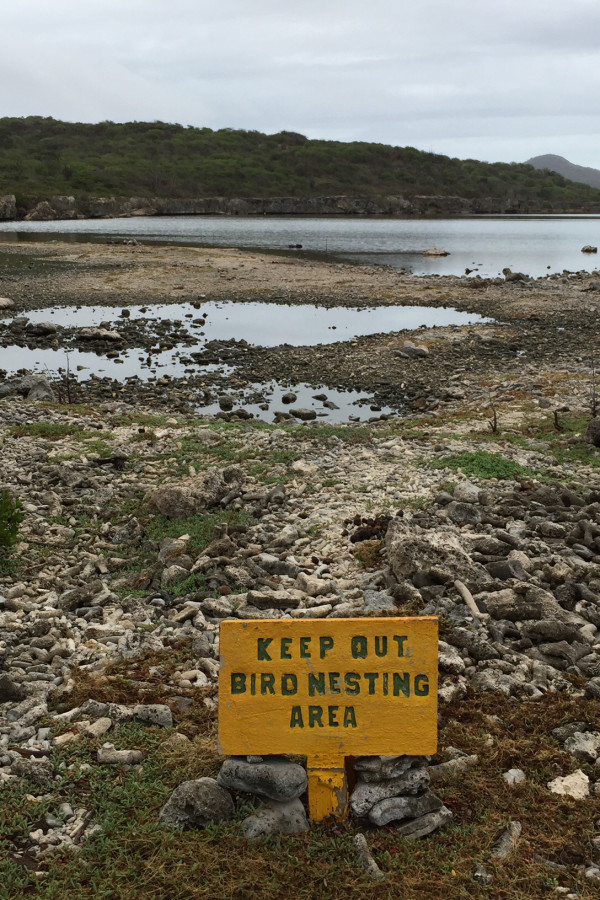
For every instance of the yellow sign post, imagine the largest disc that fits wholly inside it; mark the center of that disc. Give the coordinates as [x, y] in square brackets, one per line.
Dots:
[328, 689]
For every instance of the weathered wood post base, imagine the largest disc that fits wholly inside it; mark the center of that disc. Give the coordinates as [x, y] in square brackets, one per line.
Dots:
[327, 787]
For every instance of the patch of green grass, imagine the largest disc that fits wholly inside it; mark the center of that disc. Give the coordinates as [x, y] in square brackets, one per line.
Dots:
[98, 447]
[199, 527]
[150, 419]
[10, 519]
[133, 856]
[132, 506]
[74, 409]
[368, 554]
[257, 462]
[144, 437]
[8, 564]
[566, 445]
[196, 582]
[349, 434]
[360, 488]
[577, 454]
[129, 593]
[415, 502]
[52, 431]
[482, 464]
[84, 520]
[192, 448]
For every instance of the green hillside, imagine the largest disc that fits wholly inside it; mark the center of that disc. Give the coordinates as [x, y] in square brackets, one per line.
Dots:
[41, 157]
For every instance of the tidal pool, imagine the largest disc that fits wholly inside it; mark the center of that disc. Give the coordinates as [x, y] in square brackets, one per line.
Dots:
[266, 324]
[261, 324]
[253, 397]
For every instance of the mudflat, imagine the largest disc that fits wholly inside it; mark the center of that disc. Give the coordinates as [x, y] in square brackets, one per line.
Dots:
[541, 328]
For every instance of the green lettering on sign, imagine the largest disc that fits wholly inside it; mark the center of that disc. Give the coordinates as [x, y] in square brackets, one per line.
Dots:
[262, 644]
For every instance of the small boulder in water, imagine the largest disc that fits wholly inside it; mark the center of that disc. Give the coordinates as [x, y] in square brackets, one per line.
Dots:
[304, 414]
[225, 402]
[436, 251]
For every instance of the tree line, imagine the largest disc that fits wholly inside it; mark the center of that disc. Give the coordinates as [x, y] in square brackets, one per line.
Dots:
[41, 157]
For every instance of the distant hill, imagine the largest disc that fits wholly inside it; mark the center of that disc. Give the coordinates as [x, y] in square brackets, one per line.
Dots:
[581, 174]
[42, 158]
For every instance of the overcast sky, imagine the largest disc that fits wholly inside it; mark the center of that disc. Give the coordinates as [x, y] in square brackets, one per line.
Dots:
[497, 80]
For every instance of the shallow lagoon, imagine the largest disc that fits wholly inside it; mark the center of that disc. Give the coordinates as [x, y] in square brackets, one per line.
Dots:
[263, 324]
[536, 245]
[266, 324]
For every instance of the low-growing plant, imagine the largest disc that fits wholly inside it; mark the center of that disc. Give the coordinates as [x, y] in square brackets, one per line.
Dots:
[483, 464]
[144, 436]
[368, 554]
[494, 420]
[52, 431]
[196, 582]
[10, 519]
[199, 527]
[415, 502]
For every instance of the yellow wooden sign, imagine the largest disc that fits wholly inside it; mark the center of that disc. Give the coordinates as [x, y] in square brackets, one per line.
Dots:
[328, 689]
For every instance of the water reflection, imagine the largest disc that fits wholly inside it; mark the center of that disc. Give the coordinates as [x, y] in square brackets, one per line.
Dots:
[265, 324]
[535, 245]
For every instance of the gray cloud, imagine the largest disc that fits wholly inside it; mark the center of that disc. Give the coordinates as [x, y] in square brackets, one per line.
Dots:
[506, 81]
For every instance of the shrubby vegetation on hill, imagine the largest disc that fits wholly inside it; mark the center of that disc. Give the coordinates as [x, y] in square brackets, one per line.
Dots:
[40, 157]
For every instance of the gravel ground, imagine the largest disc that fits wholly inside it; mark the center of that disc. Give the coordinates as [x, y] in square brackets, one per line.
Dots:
[144, 528]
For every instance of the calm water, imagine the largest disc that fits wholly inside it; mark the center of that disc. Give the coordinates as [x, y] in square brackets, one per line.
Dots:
[351, 405]
[536, 245]
[264, 324]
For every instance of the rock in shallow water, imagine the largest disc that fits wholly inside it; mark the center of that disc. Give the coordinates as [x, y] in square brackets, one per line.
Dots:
[304, 414]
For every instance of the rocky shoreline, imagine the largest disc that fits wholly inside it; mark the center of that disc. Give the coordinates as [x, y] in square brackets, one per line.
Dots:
[544, 325]
[68, 208]
[510, 567]
[144, 528]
